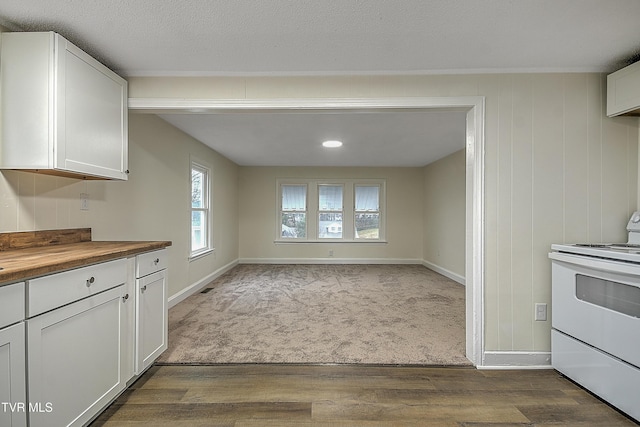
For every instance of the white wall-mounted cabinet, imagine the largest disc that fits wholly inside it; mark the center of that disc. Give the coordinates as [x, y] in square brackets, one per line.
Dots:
[623, 91]
[13, 412]
[151, 308]
[63, 112]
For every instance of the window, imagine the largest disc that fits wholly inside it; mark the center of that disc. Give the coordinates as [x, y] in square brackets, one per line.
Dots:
[293, 212]
[200, 210]
[330, 211]
[367, 212]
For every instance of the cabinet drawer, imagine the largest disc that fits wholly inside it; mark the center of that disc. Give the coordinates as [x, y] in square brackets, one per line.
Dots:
[11, 304]
[48, 292]
[151, 262]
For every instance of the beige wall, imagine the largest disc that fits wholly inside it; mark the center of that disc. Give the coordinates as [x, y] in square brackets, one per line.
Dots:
[258, 203]
[556, 170]
[152, 205]
[444, 214]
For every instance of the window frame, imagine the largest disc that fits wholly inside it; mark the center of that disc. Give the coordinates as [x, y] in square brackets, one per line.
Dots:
[281, 211]
[320, 211]
[381, 197]
[348, 210]
[205, 170]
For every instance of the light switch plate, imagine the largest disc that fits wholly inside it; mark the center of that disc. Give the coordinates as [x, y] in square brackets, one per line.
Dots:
[84, 201]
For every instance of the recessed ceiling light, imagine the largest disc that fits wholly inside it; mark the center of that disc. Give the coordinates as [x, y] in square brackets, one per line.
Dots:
[332, 144]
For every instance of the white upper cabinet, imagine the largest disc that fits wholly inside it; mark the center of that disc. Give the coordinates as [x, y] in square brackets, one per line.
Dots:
[623, 91]
[62, 112]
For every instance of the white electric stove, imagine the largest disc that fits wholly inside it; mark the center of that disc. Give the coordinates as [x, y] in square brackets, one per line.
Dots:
[595, 336]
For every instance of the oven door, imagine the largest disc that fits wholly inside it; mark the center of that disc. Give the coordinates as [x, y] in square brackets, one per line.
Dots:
[598, 302]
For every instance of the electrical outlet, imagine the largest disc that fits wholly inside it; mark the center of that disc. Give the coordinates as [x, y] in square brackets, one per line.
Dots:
[84, 201]
[330, 252]
[541, 311]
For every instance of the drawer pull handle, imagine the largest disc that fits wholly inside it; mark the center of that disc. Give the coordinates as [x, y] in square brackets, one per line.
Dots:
[90, 281]
[144, 288]
[156, 261]
[125, 298]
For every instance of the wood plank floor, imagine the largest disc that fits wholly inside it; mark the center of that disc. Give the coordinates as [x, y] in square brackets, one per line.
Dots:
[354, 395]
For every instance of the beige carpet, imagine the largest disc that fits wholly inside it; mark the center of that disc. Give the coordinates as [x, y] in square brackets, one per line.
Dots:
[369, 314]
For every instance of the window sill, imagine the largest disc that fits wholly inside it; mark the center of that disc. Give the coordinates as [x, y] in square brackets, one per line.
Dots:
[201, 254]
[332, 241]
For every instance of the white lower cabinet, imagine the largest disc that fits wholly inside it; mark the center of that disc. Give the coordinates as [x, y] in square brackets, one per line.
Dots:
[76, 343]
[151, 308]
[75, 359]
[13, 412]
[71, 342]
[13, 395]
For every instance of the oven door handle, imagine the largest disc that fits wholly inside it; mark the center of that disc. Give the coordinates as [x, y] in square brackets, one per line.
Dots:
[608, 265]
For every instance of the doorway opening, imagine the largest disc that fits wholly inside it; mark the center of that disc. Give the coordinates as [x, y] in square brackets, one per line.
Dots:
[474, 187]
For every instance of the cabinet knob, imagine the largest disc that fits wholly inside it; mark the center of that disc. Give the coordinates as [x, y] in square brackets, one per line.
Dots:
[156, 261]
[90, 281]
[144, 288]
[125, 297]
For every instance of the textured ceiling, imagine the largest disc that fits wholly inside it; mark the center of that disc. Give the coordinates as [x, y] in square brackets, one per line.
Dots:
[160, 37]
[330, 37]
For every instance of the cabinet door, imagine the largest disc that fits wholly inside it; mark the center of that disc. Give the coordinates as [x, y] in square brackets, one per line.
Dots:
[75, 359]
[62, 111]
[151, 319]
[623, 91]
[12, 300]
[13, 412]
[92, 113]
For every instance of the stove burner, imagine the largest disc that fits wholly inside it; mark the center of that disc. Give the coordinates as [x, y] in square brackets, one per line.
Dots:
[592, 245]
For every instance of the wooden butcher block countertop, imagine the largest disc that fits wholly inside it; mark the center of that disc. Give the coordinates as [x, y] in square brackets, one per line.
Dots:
[24, 260]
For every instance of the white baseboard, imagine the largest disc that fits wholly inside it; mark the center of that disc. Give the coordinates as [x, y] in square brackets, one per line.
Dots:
[446, 273]
[195, 287]
[516, 360]
[328, 261]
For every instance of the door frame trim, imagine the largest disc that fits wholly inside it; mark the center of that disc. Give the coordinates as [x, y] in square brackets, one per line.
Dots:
[475, 147]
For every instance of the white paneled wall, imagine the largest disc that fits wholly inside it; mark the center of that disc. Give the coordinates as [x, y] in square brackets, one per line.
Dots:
[557, 170]
[40, 202]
